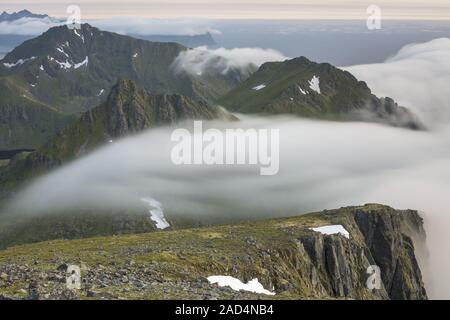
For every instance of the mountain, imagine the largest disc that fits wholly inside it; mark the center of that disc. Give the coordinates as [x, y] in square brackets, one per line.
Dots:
[72, 69]
[128, 109]
[193, 41]
[9, 17]
[289, 259]
[307, 89]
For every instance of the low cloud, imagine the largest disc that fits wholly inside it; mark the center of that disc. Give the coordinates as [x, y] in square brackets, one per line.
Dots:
[202, 59]
[417, 77]
[28, 26]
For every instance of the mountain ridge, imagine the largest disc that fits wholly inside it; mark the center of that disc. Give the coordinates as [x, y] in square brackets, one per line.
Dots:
[9, 17]
[314, 90]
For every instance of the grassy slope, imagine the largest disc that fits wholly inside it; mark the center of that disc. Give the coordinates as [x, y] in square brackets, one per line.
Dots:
[175, 262]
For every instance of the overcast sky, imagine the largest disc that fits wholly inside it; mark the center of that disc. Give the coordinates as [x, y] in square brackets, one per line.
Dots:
[240, 9]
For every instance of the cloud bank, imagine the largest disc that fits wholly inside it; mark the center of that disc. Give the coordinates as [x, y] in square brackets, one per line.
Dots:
[28, 26]
[417, 77]
[202, 59]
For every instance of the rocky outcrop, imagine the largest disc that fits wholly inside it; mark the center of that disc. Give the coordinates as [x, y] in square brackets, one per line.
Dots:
[389, 237]
[285, 255]
[381, 237]
[131, 109]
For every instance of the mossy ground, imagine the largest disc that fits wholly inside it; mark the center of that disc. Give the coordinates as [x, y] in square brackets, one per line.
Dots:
[173, 259]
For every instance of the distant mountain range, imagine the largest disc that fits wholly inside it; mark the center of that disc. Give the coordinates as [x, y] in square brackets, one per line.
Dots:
[9, 17]
[10, 41]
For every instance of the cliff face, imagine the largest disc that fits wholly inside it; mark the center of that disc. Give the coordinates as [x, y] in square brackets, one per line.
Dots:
[286, 256]
[382, 237]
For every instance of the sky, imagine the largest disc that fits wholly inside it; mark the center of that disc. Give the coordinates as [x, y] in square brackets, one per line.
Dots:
[241, 9]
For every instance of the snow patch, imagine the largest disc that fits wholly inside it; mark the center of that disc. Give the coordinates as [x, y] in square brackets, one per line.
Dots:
[135, 55]
[156, 213]
[314, 84]
[260, 87]
[63, 52]
[100, 93]
[67, 65]
[18, 62]
[332, 229]
[237, 285]
[41, 67]
[82, 63]
[302, 91]
[79, 35]
[63, 65]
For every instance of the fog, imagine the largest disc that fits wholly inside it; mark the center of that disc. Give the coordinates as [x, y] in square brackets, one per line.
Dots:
[323, 165]
[201, 59]
[418, 77]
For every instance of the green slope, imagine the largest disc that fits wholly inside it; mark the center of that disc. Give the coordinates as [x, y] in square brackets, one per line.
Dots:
[286, 88]
[24, 121]
[283, 254]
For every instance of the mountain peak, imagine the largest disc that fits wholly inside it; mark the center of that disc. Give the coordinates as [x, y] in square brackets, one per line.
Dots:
[314, 90]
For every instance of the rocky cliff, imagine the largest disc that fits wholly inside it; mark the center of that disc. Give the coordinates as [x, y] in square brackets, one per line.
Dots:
[294, 258]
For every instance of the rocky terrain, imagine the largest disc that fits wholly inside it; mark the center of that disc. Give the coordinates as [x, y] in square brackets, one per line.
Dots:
[285, 255]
